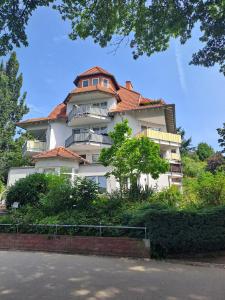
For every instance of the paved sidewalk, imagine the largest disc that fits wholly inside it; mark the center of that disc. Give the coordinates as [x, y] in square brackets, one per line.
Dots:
[37, 276]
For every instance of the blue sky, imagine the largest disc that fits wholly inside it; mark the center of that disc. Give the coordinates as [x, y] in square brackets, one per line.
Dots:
[51, 62]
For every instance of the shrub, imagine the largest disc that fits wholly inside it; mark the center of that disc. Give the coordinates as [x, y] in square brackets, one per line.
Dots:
[27, 190]
[84, 191]
[192, 167]
[210, 188]
[59, 196]
[170, 197]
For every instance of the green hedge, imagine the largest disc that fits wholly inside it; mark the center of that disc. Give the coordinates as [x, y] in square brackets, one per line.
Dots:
[173, 232]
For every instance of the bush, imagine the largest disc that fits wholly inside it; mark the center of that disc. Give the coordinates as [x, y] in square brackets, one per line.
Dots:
[27, 190]
[173, 232]
[169, 197]
[210, 188]
[192, 167]
[59, 196]
[84, 191]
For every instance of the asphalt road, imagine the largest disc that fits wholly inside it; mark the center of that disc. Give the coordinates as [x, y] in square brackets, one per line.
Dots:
[36, 276]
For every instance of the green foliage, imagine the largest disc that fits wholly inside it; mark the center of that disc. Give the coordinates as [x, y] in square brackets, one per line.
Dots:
[130, 157]
[204, 151]
[221, 140]
[27, 190]
[14, 18]
[192, 167]
[185, 143]
[173, 232]
[149, 25]
[211, 188]
[84, 191]
[216, 163]
[12, 109]
[63, 196]
[168, 197]
[58, 198]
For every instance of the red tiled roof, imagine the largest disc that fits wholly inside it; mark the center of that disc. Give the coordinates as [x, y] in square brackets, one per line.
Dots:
[127, 99]
[59, 112]
[59, 152]
[95, 70]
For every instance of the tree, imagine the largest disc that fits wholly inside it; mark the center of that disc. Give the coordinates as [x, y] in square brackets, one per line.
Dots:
[204, 151]
[221, 140]
[216, 163]
[185, 143]
[12, 109]
[129, 157]
[14, 16]
[148, 26]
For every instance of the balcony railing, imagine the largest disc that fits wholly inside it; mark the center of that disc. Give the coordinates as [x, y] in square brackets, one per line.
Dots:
[84, 110]
[87, 137]
[33, 146]
[175, 168]
[161, 136]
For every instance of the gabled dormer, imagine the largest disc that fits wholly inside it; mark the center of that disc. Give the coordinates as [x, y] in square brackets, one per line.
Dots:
[96, 76]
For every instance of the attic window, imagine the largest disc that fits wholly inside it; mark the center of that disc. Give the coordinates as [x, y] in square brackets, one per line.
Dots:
[95, 81]
[105, 82]
[84, 83]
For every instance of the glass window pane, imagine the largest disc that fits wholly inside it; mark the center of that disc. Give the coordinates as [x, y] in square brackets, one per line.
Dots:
[85, 83]
[102, 183]
[95, 81]
[105, 82]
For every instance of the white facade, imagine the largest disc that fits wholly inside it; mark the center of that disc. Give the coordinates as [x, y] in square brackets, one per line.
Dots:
[89, 117]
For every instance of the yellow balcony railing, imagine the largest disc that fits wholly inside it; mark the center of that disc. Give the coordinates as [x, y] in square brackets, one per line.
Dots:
[161, 136]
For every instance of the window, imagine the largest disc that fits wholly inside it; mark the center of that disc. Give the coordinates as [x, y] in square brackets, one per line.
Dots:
[83, 156]
[173, 151]
[95, 158]
[100, 130]
[95, 81]
[101, 104]
[84, 83]
[101, 181]
[143, 127]
[66, 171]
[105, 82]
[49, 171]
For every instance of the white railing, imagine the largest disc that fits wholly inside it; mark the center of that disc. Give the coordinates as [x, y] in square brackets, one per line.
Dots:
[87, 110]
[88, 137]
[33, 146]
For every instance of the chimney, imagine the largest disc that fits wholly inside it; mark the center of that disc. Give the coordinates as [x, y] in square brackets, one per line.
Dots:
[129, 85]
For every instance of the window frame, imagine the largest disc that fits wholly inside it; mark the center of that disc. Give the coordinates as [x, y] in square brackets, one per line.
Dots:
[85, 80]
[105, 80]
[95, 78]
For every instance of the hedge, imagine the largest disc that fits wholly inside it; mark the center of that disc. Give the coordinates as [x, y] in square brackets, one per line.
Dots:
[175, 232]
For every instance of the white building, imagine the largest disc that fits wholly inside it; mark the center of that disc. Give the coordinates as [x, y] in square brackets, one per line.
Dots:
[70, 139]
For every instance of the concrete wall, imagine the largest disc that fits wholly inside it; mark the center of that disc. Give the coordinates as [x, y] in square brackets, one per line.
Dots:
[59, 132]
[18, 173]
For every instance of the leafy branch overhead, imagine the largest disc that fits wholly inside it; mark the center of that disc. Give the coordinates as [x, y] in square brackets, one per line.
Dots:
[148, 26]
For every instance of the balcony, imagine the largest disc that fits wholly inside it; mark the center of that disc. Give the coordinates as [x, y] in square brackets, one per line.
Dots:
[87, 141]
[162, 137]
[87, 114]
[33, 147]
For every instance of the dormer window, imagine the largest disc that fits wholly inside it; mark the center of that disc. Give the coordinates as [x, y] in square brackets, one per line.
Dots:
[95, 81]
[105, 82]
[85, 83]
